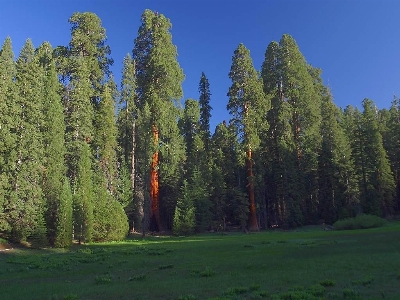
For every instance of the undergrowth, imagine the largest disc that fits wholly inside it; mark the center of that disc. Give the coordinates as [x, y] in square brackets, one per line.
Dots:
[360, 222]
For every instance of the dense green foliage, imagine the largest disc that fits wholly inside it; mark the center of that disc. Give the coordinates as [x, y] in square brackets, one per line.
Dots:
[359, 222]
[80, 158]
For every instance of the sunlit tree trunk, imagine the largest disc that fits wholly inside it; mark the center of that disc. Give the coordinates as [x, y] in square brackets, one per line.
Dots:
[154, 185]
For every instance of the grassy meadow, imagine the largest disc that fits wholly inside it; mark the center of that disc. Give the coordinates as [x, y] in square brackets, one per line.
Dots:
[309, 263]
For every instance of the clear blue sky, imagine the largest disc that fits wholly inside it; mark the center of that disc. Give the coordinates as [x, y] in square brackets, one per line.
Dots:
[356, 43]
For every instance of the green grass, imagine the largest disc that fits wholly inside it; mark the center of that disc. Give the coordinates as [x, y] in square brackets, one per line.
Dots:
[316, 264]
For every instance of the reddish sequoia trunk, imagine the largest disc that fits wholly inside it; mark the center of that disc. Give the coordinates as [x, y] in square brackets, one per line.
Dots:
[253, 225]
[154, 187]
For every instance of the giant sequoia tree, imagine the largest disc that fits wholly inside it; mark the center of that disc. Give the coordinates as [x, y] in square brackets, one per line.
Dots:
[295, 138]
[159, 86]
[248, 107]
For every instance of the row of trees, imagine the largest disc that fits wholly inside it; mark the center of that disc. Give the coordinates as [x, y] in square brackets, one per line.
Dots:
[72, 169]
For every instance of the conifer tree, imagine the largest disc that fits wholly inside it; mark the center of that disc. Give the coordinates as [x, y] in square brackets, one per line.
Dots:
[26, 203]
[281, 178]
[79, 118]
[248, 107]
[392, 146]
[295, 120]
[379, 185]
[54, 187]
[88, 40]
[190, 130]
[305, 103]
[184, 217]
[9, 109]
[337, 184]
[83, 197]
[126, 123]
[109, 219]
[79, 135]
[83, 65]
[229, 175]
[105, 138]
[205, 110]
[64, 222]
[196, 165]
[159, 80]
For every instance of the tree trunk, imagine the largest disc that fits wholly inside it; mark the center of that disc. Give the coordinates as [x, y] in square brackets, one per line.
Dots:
[253, 224]
[154, 186]
[133, 171]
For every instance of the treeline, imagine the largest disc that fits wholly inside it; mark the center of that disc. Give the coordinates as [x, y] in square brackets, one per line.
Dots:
[72, 169]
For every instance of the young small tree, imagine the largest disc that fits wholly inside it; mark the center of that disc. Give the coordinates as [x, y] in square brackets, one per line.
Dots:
[184, 217]
[83, 199]
[64, 229]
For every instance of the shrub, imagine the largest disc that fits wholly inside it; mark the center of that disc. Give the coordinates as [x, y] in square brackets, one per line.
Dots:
[351, 294]
[103, 279]
[110, 220]
[237, 291]
[38, 239]
[207, 272]
[360, 222]
[327, 282]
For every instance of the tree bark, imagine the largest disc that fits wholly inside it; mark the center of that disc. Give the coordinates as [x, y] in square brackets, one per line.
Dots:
[154, 186]
[253, 224]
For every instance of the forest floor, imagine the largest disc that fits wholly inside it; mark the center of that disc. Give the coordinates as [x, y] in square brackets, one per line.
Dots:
[301, 264]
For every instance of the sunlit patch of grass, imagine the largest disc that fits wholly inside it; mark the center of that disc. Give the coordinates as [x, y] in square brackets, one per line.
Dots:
[103, 279]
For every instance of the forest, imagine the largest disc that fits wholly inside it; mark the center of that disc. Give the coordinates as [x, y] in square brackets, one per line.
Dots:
[84, 158]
